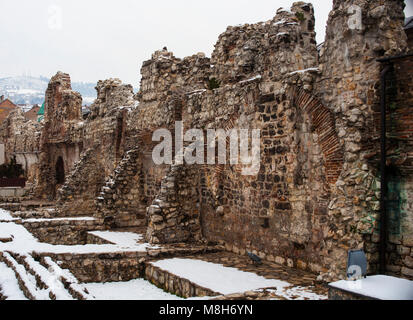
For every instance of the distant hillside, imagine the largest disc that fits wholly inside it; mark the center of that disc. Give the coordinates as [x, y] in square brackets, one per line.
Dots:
[31, 90]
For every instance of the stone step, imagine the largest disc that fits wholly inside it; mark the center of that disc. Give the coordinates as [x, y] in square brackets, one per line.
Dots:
[27, 282]
[27, 265]
[69, 281]
[45, 279]
[121, 173]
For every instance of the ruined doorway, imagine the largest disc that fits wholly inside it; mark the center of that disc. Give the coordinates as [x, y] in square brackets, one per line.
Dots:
[60, 171]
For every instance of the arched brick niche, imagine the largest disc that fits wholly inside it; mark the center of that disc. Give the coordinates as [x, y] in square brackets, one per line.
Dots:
[322, 122]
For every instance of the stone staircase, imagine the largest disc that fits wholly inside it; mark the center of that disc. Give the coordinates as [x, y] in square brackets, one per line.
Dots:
[44, 279]
[71, 180]
[75, 195]
[120, 199]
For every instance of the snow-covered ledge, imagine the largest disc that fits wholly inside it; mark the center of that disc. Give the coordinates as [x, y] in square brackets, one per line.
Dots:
[372, 288]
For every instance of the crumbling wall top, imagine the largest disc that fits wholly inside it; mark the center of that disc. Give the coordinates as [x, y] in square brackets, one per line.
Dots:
[112, 94]
[268, 49]
[164, 73]
[62, 104]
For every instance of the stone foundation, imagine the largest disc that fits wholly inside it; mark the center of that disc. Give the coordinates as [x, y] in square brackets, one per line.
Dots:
[65, 232]
[174, 284]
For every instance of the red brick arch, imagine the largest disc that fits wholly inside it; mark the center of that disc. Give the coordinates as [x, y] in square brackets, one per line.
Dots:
[322, 121]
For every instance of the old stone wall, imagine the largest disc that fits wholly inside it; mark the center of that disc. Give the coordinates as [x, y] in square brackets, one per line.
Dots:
[122, 199]
[316, 190]
[316, 195]
[64, 232]
[174, 214]
[269, 49]
[59, 151]
[358, 33]
[136, 181]
[77, 195]
[280, 213]
[21, 139]
[102, 137]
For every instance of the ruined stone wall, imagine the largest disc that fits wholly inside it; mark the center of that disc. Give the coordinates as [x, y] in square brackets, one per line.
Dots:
[174, 214]
[165, 80]
[316, 194]
[121, 201]
[281, 212]
[165, 73]
[21, 139]
[59, 151]
[136, 181]
[275, 212]
[358, 32]
[77, 195]
[102, 136]
[269, 49]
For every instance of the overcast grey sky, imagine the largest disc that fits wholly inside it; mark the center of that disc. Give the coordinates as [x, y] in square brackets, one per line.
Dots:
[99, 39]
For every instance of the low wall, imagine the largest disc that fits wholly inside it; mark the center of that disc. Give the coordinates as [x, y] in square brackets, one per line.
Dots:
[116, 266]
[65, 232]
[11, 192]
[174, 284]
[108, 267]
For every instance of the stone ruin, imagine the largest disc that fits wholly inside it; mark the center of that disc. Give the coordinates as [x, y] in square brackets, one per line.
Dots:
[317, 192]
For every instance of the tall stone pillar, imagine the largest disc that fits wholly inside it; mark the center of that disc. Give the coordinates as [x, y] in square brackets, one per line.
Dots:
[358, 33]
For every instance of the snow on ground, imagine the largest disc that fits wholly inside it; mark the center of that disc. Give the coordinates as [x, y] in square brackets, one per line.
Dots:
[28, 279]
[138, 289]
[51, 279]
[6, 216]
[120, 238]
[299, 293]
[24, 242]
[379, 287]
[8, 284]
[226, 280]
[216, 277]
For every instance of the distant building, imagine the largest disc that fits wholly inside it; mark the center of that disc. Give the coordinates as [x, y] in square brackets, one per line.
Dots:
[32, 114]
[6, 106]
